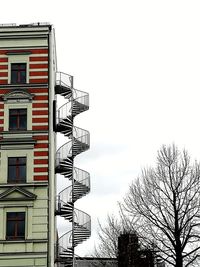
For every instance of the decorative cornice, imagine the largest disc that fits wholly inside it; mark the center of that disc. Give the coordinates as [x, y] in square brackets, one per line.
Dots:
[17, 141]
[19, 94]
[31, 185]
[25, 194]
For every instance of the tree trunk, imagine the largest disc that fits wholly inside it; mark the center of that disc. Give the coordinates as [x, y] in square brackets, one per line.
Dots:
[179, 259]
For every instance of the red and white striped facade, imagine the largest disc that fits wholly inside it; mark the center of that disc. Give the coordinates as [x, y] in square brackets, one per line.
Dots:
[34, 46]
[38, 64]
[38, 74]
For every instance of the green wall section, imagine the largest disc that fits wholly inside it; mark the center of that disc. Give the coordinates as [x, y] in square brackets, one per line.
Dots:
[24, 261]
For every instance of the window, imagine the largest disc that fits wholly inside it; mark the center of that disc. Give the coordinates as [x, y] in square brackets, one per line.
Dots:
[17, 170]
[17, 119]
[18, 73]
[15, 225]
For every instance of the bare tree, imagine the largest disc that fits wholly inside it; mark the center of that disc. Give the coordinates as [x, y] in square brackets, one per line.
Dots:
[108, 240]
[108, 237]
[164, 204]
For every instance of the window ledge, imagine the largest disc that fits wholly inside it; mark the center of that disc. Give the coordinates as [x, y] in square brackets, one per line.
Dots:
[24, 241]
[17, 134]
[23, 85]
[19, 141]
[25, 185]
[20, 52]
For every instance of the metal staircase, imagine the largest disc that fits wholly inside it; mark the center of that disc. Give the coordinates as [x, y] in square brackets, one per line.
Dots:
[79, 141]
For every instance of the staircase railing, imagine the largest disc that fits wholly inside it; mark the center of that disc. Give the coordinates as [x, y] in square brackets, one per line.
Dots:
[66, 195]
[63, 112]
[81, 97]
[78, 101]
[66, 109]
[64, 79]
[64, 242]
[81, 175]
[62, 153]
[82, 219]
[66, 150]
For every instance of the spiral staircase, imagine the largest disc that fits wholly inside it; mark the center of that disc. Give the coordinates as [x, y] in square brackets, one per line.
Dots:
[78, 142]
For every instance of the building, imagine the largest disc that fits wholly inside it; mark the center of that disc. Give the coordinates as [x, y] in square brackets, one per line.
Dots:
[131, 255]
[96, 262]
[29, 121]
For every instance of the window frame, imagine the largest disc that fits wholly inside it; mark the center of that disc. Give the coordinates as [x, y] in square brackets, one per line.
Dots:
[18, 167]
[18, 105]
[18, 59]
[22, 152]
[18, 113]
[18, 73]
[20, 217]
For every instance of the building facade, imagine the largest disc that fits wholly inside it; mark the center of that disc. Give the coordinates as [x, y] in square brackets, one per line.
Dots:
[96, 262]
[29, 121]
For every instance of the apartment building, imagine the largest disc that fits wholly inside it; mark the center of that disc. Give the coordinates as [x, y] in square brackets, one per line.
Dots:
[29, 122]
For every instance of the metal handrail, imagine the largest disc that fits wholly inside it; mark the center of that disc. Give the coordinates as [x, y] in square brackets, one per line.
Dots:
[60, 239]
[81, 214]
[66, 240]
[80, 175]
[66, 150]
[65, 196]
[86, 224]
[62, 78]
[66, 109]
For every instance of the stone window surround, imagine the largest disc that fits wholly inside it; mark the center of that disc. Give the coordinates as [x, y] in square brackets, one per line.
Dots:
[17, 104]
[18, 59]
[16, 153]
[15, 223]
[28, 218]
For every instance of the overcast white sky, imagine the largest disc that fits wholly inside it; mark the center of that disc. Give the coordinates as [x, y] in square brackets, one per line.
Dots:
[140, 63]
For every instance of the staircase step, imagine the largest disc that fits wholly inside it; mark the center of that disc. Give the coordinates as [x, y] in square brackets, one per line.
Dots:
[78, 108]
[65, 125]
[63, 90]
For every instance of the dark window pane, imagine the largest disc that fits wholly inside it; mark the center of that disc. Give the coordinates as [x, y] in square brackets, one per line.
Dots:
[22, 122]
[21, 229]
[12, 161]
[22, 173]
[11, 215]
[22, 161]
[10, 228]
[22, 111]
[13, 111]
[23, 77]
[21, 215]
[12, 175]
[12, 122]
[13, 76]
[18, 66]
[14, 215]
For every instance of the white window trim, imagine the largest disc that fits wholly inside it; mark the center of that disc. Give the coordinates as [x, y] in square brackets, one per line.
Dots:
[17, 105]
[28, 219]
[17, 153]
[18, 59]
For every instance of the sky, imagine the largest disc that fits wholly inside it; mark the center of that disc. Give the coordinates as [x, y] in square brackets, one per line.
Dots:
[140, 63]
